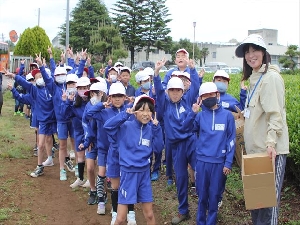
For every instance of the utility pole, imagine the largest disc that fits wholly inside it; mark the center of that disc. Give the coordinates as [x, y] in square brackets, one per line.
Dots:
[67, 29]
[194, 25]
[39, 16]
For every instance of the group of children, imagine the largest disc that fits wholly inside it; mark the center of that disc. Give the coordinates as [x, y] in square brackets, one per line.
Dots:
[121, 128]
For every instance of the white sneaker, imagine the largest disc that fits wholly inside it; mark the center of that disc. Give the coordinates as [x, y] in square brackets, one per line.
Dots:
[101, 208]
[86, 184]
[72, 154]
[131, 218]
[220, 203]
[77, 183]
[48, 162]
[113, 218]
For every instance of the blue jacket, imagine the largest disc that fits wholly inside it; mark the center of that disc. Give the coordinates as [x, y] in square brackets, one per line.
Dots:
[42, 98]
[216, 141]
[81, 68]
[229, 102]
[101, 115]
[174, 114]
[135, 141]
[130, 90]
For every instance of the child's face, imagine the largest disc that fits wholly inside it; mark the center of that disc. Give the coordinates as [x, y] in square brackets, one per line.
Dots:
[186, 82]
[117, 100]
[181, 59]
[37, 76]
[71, 85]
[125, 77]
[175, 94]
[221, 79]
[143, 114]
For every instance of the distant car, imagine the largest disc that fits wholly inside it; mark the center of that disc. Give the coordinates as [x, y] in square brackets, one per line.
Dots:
[163, 69]
[206, 69]
[142, 65]
[232, 70]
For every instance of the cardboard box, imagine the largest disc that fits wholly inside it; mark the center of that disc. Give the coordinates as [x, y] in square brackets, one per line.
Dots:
[240, 144]
[258, 175]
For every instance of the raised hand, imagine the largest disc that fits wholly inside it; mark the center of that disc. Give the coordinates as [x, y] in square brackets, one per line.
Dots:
[83, 54]
[243, 86]
[130, 110]
[64, 95]
[39, 59]
[154, 120]
[158, 66]
[201, 73]
[196, 106]
[9, 85]
[191, 63]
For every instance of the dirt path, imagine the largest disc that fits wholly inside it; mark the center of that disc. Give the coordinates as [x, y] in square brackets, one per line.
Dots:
[46, 199]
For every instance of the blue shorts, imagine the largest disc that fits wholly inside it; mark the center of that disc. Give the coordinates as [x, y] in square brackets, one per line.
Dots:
[79, 137]
[47, 128]
[65, 130]
[102, 159]
[113, 166]
[34, 121]
[135, 187]
[92, 154]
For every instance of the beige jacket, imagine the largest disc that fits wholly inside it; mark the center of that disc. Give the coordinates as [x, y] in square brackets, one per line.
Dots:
[267, 124]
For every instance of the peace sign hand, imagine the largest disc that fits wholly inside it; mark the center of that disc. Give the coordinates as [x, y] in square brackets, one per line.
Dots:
[154, 121]
[196, 106]
[39, 59]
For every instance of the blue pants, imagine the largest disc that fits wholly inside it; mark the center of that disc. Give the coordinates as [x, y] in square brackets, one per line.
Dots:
[183, 153]
[209, 182]
[168, 158]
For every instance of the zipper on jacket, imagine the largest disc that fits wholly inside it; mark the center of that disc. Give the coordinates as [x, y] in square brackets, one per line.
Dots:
[141, 135]
[177, 110]
[213, 121]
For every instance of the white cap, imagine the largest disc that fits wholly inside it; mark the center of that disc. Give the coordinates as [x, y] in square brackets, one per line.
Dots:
[117, 88]
[117, 69]
[118, 64]
[183, 50]
[101, 80]
[255, 39]
[60, 70]
[207, 87]
[184, 74]
[175, 82]
[221, 73]
[34, 64]
[97, 87]
[29, 76]
[149, 70]
[72, 78]
[83, 81]
[141, 76]
[140, 97]
[124, 68]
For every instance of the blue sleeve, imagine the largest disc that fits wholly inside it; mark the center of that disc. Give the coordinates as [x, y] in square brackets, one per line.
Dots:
[24, 83]
[167, 78]
[106, 71]
[52, 65]
[200, 81]
[160, 97]
[66, 109]
[157, 139]
[71, 62]
[20, 97]
[194, 88]
[90, 134]
[22, 67]
[91, 72]
[113, 125]
[231, 134]
[189, 124]
[81, 68]
[243, 96]
[48, 80]
[94, 111]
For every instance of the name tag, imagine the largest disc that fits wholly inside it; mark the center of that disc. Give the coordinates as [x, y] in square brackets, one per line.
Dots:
[181, 109]
[246, 113]
[219, 126]
[225, 104]
[146, 142]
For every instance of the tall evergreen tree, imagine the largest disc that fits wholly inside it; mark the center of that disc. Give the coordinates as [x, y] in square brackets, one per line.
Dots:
[85, 18]
[141, 23]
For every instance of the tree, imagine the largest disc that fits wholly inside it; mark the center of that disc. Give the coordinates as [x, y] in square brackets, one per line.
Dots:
[141, 23]
[86, 17]
[33, 41]
[187, 45]
[204, 54]
[289, 60]
[107, 43]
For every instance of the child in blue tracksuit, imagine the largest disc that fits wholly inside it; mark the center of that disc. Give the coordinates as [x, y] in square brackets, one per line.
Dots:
[174, 107]
[73, 106]
[215, 150]
[134, 155]
[108, 157]
[45, 115]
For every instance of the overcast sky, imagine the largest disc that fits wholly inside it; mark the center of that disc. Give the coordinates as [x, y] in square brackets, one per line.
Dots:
[216, 20]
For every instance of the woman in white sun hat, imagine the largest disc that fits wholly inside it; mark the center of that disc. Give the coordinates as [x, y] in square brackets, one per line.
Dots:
[265, 115]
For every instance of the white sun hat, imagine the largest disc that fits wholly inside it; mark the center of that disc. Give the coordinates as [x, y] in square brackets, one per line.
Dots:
[72, 78]
[149, 70]
[83, 81]
[117, 88]
[207, 87]
[97, 87]
[221, 73]
[29, 76]
[141, 76]
[255, 39]
[60, 70]
[175, 82]
[140, 97]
